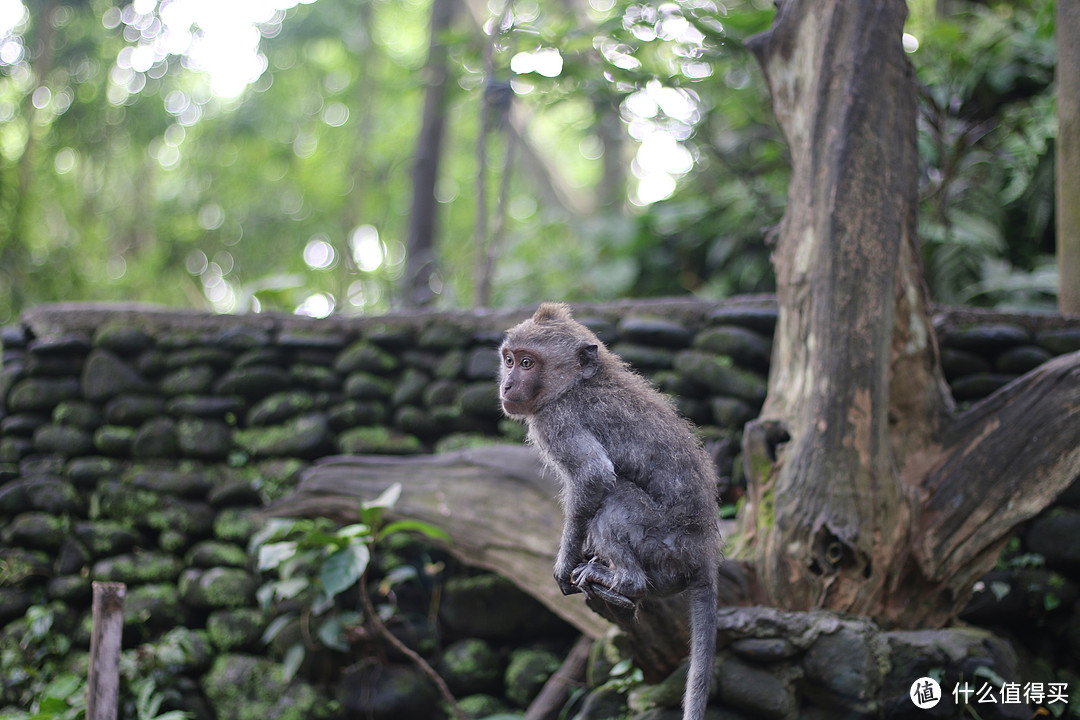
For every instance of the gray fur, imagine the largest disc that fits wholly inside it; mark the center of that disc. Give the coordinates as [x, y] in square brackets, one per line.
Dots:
[638, 489]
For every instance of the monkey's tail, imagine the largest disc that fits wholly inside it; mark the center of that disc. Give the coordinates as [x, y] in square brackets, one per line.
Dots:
[702, 649]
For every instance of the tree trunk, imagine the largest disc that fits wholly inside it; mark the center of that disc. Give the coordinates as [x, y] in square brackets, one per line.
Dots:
[866, 494]
[1068, 155]
[421, 271]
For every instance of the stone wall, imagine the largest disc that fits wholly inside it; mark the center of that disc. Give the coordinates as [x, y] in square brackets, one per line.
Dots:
[137, 444]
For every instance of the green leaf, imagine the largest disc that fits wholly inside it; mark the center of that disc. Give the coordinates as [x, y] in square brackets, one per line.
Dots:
[415, 526]
[63, 686]
[273, 554]
[343, 568]
[387, 499]
[354, 531]
[294, 658]
[276, 626]
[332, 635]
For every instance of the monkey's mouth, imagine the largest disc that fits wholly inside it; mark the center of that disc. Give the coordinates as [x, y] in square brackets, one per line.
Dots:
[514, 405]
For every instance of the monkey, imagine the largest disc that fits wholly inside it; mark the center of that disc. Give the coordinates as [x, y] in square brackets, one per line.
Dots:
[638, 489]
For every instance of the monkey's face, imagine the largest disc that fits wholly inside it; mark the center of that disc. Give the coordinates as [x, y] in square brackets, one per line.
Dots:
[520, 381]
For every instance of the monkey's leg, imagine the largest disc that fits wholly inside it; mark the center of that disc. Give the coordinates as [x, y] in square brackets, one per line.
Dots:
[616, 536]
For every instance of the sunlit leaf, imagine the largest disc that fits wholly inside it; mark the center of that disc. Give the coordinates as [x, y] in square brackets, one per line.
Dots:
[274, 554]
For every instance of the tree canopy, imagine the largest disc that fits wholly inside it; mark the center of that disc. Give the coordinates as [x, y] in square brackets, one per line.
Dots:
[592, 150]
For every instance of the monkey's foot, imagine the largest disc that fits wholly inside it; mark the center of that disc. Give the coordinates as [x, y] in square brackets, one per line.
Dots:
[594, 580]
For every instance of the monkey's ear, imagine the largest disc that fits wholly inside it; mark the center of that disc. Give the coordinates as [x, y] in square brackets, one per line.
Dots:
[588, 357]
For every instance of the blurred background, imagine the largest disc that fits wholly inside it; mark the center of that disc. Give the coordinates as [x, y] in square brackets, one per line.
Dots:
[348, 156]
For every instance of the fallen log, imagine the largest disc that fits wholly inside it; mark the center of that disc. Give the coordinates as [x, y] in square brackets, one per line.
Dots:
[500, 510]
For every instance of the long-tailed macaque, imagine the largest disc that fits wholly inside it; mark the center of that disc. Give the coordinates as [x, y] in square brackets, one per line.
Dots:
[638, 488]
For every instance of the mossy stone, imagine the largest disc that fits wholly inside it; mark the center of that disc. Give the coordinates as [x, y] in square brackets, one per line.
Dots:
[253, 382]
[366, 357]
[409, 388]
[85, 415]
[114, 440]
[64, 440]
[238, 629]
[45, 493]
[527, 672]
[36, 530]
[156, 439]
[203, 438]
[378, 440]
[104, 538]
[352, 413]
[122, 338]
[119, 501]
[719, 374]
[471, 666]
[480, 706]
[236, 525]
[106, 376]
[137, 568]
[70, 588]
[245, 687]
[218, 587]
[133, 409]
[41, 394]
[192, 380]
[279, 407]
[366, 386]
[214, 553]
[481, 399]
[304, 436]
[154, 606]
[745, 346]
[190, 517]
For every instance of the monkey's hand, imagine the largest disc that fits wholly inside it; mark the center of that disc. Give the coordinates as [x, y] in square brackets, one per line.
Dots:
[564, 570]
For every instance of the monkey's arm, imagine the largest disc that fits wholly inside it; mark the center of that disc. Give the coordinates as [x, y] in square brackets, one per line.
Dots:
[587, 475]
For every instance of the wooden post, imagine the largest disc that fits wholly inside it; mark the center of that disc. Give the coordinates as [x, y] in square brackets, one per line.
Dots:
[103, 691]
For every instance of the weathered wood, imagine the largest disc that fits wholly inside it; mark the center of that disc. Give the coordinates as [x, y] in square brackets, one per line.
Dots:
[103, 686]
[999, 463]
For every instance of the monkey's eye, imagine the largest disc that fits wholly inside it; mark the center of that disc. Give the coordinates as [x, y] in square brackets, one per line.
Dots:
[526, 363]
[509, 360]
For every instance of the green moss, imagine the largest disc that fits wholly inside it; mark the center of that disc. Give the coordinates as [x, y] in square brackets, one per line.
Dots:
[379, 441]
[527, 672]
[236, 525]
[242, 687]
[235, 629]
[136, 568]
[481, 706]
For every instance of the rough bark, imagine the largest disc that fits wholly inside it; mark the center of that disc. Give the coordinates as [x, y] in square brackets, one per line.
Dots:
[1068, 155]
[867, 494]
[843, 95]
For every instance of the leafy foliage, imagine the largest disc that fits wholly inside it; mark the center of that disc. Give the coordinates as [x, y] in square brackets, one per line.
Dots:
[629, 151]
[314, 565]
